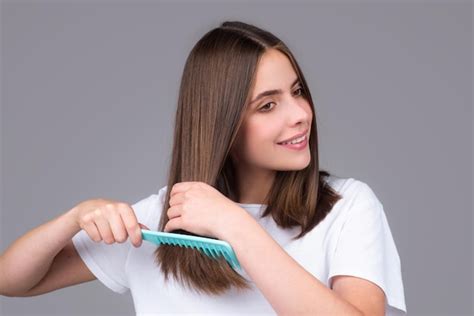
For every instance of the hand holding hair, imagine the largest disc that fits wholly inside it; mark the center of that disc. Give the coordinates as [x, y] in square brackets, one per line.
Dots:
[201, 209]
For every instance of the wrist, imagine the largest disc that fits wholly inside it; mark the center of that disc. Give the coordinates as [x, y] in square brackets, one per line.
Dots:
[234, 224]
[71, 219]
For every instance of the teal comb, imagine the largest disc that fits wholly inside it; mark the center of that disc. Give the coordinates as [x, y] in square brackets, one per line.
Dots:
[213, 248]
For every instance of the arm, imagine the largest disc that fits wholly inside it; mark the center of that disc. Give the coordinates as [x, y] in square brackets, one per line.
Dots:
[25, 262]
[45, 258]
[287, 286]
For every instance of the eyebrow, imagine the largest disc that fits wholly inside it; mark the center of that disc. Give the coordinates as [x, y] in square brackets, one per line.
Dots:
[273, 92]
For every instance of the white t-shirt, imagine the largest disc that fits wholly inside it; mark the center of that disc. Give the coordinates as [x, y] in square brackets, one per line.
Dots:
[354, 239]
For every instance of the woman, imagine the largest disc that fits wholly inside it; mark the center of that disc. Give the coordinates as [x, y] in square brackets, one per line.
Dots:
[244, 169]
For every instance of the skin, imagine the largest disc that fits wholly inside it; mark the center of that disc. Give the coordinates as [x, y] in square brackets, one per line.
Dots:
[256, 154]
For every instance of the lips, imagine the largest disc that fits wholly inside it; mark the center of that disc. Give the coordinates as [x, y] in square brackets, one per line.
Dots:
[294, 137]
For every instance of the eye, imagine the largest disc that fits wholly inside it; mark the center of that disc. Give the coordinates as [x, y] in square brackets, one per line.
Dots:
[302, 93]
[265, 106]
[300, 89]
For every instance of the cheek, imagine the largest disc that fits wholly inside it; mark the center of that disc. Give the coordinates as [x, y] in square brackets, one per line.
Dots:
[304, 104]
[257, 139]
[261, 133]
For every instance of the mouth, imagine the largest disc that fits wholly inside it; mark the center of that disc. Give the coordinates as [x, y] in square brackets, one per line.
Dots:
[298, 144]
[297, 139]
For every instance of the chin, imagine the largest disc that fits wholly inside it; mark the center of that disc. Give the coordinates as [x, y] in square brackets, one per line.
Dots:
[294, 166]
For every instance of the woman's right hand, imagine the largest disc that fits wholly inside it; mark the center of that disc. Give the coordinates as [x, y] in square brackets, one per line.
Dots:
[108, 220]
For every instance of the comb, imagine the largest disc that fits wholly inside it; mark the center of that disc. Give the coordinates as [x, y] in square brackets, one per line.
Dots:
[213, 248]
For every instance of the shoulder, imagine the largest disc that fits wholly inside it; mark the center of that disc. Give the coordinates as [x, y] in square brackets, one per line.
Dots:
[154, 199]
[149, 207]
[350, 187]
[357, 195]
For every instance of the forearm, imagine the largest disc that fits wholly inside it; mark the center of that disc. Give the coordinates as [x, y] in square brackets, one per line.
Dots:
[287, 286]
[26, 261]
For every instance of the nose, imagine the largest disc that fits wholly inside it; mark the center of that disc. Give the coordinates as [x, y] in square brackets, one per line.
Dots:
[299, 111]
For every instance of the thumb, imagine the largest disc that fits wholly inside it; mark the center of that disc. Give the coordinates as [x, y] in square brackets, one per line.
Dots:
[143, 226]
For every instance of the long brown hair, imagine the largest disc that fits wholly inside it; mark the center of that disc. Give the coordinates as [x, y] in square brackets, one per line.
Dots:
[217, 79]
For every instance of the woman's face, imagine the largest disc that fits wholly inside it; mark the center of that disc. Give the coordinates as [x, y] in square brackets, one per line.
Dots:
[274, 118]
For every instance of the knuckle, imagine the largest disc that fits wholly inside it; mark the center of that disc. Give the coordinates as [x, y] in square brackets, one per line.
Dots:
[122, 211]
[109, 208]
[86, 218]
[125, 206]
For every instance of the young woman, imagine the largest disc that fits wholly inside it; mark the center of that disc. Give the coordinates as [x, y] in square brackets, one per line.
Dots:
[244, 169]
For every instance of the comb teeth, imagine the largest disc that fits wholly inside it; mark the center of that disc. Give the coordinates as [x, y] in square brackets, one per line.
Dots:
[212, 248]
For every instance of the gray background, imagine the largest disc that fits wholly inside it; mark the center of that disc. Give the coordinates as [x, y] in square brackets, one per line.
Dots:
[89, 92]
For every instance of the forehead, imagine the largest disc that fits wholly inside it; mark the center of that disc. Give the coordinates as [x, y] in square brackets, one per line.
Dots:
[274, 71]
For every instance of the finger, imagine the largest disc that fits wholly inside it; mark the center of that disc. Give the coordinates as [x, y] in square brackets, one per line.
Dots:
[131, 225]
[173, 224]
[91, 230]
[174, 211]
[103, 227]
[176, 199]
[180, 187]
[116, 225]
[143, 226]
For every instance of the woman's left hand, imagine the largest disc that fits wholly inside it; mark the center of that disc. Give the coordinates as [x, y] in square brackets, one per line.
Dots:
[201, 209]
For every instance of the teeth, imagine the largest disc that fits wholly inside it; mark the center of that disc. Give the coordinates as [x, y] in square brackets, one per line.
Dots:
[297, 140]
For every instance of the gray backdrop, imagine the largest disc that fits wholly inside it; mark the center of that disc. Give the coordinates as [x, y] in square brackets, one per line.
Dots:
[89, 92]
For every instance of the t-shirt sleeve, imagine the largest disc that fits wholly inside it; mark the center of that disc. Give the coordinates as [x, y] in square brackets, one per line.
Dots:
[366, 249]
[108, 261]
